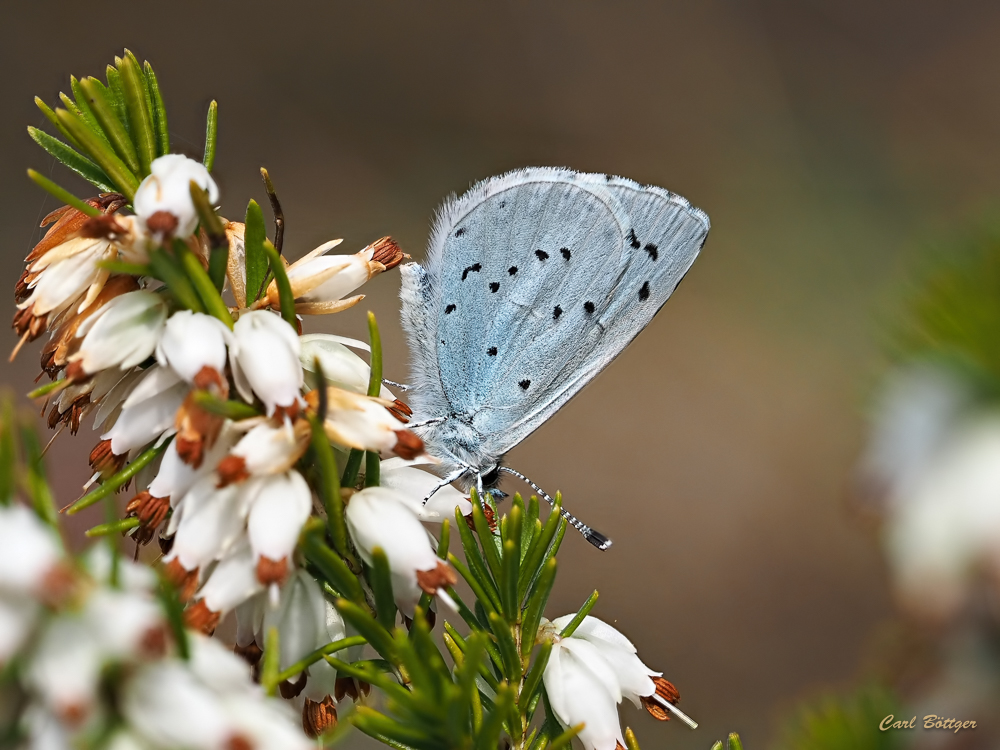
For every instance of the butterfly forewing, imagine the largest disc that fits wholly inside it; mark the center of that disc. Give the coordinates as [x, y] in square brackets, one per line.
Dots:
[534, 283]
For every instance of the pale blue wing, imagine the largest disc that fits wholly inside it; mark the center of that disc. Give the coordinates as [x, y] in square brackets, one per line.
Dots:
[663, 236]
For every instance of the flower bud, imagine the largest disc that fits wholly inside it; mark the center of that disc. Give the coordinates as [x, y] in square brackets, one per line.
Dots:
[163, 199]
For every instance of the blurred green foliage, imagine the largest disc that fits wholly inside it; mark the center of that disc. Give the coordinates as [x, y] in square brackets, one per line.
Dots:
[848, 722]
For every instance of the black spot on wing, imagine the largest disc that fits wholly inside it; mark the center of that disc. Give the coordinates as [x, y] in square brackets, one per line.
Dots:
[494, 286]
[460, 231]
[475, 268]
[492, 351]
[556, 313]
[644, 292]
[589, 307]
[449, 310]
[633, 240]
[565, 252]
[512, 270]
[541, 255]
[652, 250]
[524, 384]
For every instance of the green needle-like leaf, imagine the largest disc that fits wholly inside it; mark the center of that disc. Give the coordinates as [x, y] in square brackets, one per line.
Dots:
[717, 745]
[332, 567]
[256, 258]
[106, 115]
[167, 594]
[159, 112]
[533, 680]
[315, 656]
[113, 527]
[211, 134]
[578, 618]
[76, 161]
[196, 273]
[140, 119]
[485, 537]
[372, 462]
[508, 581]
[112, 484]
[564, 739]
[333, 502]
[124, 179]
[36, 484]
[539, 549]
[474, 557]
[508, 649]
[272, 662]
[114, 93]
[381, 582]
[376, 635]
[167, 268]
[493, 722]
[536, 606]
[285, 299]
[630, 741]
[218, 257]
[54, 119]
[61, 194]
[483, 595]
[80, 107]
[234, 410]
[734, 742]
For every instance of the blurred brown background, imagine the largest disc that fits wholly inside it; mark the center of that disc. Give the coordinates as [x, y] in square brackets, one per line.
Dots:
[826, 140]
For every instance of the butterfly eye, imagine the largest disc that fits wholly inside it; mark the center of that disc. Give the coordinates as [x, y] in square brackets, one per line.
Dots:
[492, 476]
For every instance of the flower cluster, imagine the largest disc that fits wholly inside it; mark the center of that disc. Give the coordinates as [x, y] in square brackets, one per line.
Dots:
[92, 654]
[282, 484]
[589, 672]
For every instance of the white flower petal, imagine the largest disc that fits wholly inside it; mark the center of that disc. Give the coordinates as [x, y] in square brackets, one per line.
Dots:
[267, 355]
[192, 341]
[123, 333]
[414, 485]
[168, 188]
[280, 507]
[29, 550]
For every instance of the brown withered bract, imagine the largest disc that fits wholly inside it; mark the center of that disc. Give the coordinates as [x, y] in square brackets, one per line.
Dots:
[68, 222]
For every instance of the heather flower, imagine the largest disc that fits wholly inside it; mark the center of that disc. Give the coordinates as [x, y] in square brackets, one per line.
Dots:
[265, 360]
[123, 333]
[163, 200]
[380, 518]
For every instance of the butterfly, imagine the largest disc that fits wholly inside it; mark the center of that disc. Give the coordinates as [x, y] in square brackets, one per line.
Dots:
[534, 282]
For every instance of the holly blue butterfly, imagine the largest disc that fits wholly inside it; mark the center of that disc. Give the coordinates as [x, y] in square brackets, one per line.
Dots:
[534, 281]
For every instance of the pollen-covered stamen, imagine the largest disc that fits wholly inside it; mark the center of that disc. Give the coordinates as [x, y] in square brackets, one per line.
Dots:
[318, 718]
[184, 580]
[26, 323]
[231, 469]
[272, 571]
[162, 223]
[250, 653]
[70, 416]
[199, 617]
[104, 460]
[239, 742]
[387, 252]
[103, 227]
[151, 511]
[154, 641]
[350, 687]
[437, 578]
[400, 410]
[289, 689]
[408, 445]
[665, 691]
[58, 584]
[75, 373]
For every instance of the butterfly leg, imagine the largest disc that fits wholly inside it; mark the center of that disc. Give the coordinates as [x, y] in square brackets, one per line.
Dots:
[426, 422]
[443, 483]
[594, 537]
[400, 386]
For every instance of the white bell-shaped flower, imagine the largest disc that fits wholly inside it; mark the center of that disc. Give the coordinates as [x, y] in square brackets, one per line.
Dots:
[265, 359]
[149, 411]
[265, 449]
[365, 423]
[280, 506]
[18, 618]
[380, 518]
[167, 191]
[341, 367]
[123, 333]
[191, 341]
[415, 485]
[211, 521]
[29, 552]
